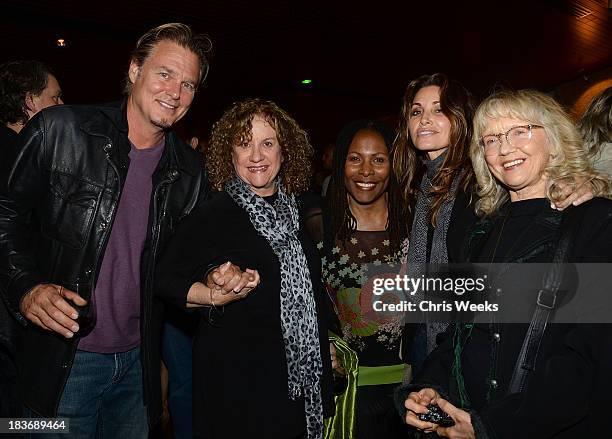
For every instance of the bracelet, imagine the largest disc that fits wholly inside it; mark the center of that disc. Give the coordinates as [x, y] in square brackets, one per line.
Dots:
[212, 302]
[214, 307]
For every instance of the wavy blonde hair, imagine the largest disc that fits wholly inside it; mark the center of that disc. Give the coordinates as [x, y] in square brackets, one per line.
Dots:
[568, 163]
[235, 127]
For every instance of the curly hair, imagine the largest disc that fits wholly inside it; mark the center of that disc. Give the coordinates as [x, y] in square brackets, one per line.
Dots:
[457, 104]
[596, 123]
[342, 219]
[235, 127]
[179, 33]
[568, 164]
[18, 79]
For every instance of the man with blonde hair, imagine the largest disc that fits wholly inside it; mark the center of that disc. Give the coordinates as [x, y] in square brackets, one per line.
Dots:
[92, 199]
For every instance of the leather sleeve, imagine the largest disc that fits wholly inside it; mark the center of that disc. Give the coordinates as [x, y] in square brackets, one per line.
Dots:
[27, 184]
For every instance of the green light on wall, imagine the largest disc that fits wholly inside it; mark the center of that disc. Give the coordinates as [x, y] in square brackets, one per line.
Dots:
[306, 81]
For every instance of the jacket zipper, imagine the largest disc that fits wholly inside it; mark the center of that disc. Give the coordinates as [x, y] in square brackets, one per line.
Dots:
[104, 241]
[171, 176]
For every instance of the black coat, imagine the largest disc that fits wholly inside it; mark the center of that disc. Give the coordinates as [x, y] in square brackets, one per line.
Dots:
[570, 392]
[240, 371]
[55, 221]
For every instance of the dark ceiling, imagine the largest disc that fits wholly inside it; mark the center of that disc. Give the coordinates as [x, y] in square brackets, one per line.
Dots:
[359, 56]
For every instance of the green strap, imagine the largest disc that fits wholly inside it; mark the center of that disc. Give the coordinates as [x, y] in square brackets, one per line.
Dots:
[371, 376]
[342, 425]
[462, 334]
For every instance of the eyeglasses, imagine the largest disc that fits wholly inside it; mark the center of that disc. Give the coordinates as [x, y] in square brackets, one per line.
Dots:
[515, 136]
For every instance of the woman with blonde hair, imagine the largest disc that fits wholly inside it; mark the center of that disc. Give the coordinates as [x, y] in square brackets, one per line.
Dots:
[524, 148]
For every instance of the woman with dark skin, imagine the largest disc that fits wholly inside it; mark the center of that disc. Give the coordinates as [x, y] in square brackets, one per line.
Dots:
[364, 223]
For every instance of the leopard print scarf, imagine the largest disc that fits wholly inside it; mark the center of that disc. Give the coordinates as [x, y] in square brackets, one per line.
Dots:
[278, 223]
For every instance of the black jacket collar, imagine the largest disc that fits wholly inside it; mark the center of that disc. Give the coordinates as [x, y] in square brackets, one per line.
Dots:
[175, 154]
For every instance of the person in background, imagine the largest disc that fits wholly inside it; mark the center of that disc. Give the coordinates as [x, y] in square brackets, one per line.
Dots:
[525, 149]
[596, 128]
[327, 158]
[261, 364]
[26, 87]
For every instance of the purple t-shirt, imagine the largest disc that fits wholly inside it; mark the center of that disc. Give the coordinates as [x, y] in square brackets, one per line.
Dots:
[117, 291]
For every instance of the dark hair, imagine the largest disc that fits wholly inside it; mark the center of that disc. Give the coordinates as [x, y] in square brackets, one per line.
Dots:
[342, 220]
[457, 104]
[596, 123]
[17, 80]
[179, 33]
[235, 127]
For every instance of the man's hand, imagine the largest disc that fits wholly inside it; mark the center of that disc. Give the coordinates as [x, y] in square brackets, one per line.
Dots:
[45, 305]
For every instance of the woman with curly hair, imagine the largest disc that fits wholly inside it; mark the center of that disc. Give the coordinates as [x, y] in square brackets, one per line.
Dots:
[596, 128]
[524, 149]
[261, 364]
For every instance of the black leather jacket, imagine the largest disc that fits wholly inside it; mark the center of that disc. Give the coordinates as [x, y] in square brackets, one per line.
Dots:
[55, 222]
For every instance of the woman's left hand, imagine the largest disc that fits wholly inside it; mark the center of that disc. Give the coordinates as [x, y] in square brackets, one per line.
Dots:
[463, 422]
[574, 195]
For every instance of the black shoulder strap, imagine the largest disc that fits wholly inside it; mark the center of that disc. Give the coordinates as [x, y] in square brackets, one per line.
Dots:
[545, 304]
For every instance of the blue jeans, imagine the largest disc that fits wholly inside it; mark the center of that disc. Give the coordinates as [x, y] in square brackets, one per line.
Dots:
[177, 354]
[103, 397]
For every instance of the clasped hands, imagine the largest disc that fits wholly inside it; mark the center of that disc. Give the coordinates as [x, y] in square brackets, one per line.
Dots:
[417, 403]
[225, 284]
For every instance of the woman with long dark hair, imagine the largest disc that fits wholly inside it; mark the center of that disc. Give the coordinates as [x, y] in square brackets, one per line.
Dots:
[432, 164]
[364, 223]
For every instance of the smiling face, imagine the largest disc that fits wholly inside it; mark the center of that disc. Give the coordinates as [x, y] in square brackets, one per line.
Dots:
[257, 162]
[367, 168]
[163, 88]
[428, 126]
[521, 170]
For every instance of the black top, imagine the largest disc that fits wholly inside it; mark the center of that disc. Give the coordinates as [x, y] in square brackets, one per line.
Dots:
[463, 218]
[240, 370]
[570, 392]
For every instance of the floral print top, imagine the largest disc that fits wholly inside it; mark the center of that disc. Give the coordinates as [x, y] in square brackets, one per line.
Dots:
[347, 271]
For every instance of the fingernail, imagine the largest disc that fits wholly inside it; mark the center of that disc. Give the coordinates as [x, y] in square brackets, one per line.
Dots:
[74, 328]
[74, 316]
[68, 334]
